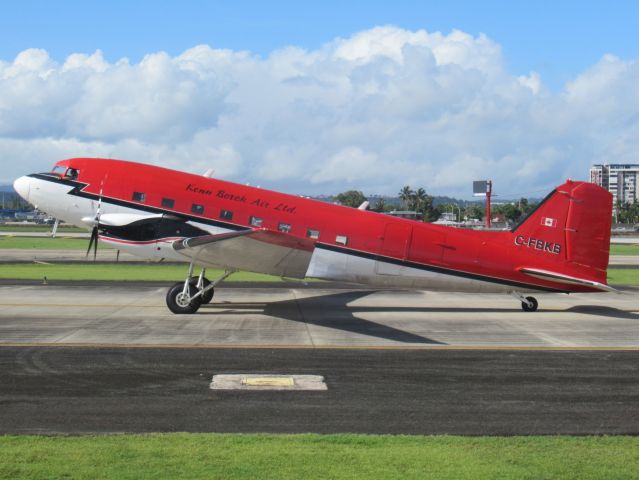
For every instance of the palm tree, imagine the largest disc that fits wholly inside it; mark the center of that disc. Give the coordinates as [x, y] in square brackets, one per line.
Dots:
[405, 194]
[419, 199]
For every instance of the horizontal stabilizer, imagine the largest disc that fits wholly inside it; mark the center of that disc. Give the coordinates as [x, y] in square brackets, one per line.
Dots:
[563, 278]
[259, 250]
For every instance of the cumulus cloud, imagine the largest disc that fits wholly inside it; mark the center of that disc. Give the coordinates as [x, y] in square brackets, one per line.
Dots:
[383, 108]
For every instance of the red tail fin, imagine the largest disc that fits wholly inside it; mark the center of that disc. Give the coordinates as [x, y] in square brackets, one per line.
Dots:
[571, 226]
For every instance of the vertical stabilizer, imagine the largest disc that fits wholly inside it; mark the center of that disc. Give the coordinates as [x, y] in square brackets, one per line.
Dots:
[571, 228]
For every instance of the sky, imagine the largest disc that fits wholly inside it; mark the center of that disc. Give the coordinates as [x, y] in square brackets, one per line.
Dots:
[320, 97]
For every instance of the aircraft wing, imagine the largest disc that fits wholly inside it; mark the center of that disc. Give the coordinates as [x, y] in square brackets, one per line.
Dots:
[562, 278]
[258, 250]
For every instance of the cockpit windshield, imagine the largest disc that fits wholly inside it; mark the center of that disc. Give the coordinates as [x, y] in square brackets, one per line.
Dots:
[65, 172]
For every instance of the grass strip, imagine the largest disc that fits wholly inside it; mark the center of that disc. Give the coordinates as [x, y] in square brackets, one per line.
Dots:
[43, 243]
[624, 249]
[161, 272]
[623, 276]
[39, 228]
[62, 243]
[229, 456]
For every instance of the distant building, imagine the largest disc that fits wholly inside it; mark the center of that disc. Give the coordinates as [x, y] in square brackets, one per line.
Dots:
[618, 179]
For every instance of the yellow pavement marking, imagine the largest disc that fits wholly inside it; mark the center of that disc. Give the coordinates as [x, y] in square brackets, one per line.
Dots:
[268, 382]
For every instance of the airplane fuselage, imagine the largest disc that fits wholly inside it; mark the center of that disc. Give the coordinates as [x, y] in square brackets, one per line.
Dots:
[350, 245]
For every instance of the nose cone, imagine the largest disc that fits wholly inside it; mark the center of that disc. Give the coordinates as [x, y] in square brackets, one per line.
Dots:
[23, 186]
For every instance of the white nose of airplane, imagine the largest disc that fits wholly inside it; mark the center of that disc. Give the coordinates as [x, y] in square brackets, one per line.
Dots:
[23, 186]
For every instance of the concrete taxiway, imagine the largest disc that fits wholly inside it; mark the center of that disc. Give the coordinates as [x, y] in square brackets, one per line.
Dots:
[312, 316]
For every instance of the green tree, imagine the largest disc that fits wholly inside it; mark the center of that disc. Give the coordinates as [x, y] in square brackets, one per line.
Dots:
[626, 212]
[429, 212]
[351, 198]
[419, 200]
[510, 211]
[405, 195]
[476, 211]
[379, 205]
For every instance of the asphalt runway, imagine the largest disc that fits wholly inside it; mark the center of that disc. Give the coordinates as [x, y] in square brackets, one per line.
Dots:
[77, 359]
[60, 390]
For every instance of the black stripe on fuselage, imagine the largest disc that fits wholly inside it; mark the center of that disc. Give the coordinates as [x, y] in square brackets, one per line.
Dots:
[435, 269]
[78, 191]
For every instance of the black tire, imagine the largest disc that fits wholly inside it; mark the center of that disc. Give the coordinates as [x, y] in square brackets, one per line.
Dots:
[530, 308]
[173, 299]
[208, 296]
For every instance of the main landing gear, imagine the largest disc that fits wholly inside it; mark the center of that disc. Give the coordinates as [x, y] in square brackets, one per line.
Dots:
[187, 297]
[528, 304]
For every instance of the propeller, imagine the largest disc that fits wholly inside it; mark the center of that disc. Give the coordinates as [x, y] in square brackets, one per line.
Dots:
[93, 241]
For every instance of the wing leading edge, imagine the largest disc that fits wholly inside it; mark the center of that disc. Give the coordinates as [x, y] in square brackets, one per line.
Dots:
[258, 250]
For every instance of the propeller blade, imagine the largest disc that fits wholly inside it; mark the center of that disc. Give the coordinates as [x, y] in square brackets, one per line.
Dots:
[93, 241]
[95, 244]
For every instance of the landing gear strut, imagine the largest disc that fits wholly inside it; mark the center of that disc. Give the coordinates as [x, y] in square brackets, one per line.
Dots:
[202, 283]
[187, 297]
[528, 304]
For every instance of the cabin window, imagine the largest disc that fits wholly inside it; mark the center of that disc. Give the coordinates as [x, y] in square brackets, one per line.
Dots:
[59, 169]
[168, 203]
[284, 227]
[256, 221]
[314, 234]
[71, 173]
[226, 214]
[199, 209]
[341, 239]
[139, 196]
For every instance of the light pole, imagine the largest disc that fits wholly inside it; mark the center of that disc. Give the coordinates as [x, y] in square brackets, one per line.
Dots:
[453, 206]
[489, 188]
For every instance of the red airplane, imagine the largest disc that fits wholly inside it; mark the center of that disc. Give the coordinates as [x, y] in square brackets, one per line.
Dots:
[163, 214]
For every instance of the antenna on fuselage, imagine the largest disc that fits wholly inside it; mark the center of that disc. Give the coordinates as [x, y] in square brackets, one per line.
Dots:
[208, 173]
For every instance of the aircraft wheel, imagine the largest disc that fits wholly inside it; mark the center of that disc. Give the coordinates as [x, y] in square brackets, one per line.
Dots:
[178, 304]
[532, 307]
[208, 296]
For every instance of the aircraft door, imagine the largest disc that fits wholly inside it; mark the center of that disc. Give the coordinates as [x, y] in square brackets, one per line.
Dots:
[395, 243]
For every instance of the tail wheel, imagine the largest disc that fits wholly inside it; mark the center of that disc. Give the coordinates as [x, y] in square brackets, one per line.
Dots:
[208, 296]
[531, 306]
[177, 301]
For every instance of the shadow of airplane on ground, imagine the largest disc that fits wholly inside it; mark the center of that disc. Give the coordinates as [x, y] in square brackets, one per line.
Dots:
[603, 311]
[345, 320]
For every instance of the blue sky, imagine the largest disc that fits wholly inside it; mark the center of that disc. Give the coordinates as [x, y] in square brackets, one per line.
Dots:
[327, 96]
[557, 38]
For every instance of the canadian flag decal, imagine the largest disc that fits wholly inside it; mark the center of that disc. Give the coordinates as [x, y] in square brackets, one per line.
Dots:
[548, 222]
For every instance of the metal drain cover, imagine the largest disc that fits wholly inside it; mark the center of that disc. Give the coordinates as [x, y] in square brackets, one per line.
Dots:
[267, 382]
